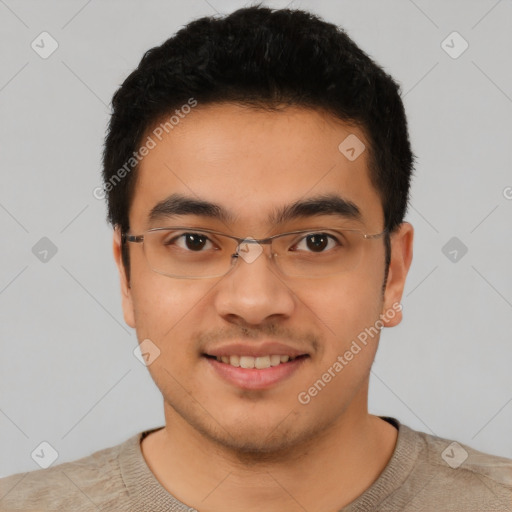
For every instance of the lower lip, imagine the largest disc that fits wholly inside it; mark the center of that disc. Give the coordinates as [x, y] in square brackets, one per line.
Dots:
[251, 378]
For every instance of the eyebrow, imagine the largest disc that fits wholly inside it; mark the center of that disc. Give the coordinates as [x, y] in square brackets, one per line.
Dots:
[329, 204]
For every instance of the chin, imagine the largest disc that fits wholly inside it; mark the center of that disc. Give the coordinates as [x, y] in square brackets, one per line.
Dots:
[259, 442]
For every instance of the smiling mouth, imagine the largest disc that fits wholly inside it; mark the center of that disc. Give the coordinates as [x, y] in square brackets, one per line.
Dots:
[258, 363]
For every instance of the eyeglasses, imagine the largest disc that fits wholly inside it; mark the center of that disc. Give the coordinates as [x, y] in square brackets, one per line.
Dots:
[189, 253]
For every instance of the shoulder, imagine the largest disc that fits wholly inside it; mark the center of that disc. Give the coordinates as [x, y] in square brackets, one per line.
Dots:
[458, 458]
[455, 476]
[82, 485]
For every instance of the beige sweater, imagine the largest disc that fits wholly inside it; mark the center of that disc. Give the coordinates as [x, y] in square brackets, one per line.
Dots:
[425, 473]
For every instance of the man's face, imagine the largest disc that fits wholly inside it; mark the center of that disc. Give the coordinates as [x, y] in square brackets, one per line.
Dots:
[252, 164]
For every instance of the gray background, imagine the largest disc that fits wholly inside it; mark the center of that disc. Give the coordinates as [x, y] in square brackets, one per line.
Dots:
[68, 375]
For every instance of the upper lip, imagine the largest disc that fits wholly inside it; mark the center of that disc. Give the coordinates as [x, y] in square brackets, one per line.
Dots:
[264, 349]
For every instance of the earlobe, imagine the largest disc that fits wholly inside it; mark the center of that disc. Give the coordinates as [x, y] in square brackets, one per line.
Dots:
[126, 292]
[401, 258]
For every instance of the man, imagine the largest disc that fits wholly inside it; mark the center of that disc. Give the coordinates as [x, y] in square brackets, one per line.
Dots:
[257, 172]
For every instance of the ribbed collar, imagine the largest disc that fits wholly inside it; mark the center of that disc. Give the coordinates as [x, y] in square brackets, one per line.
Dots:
[407, 448]
[145, 491]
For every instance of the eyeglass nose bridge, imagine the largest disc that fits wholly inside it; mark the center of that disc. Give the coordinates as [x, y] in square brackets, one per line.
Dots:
[249, 249]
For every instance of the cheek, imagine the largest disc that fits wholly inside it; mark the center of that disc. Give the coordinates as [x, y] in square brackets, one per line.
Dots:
[344, 305]
[166, 312]
[164, 306]
[347, 315]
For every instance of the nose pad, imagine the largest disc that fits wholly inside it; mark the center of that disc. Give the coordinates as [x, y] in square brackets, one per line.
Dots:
[249, 250]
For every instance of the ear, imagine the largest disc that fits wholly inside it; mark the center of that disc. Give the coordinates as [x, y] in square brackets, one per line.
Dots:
[126, 291]
[401, 258]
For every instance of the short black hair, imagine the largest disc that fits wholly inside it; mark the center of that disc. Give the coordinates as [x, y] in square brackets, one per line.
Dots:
[263, 58]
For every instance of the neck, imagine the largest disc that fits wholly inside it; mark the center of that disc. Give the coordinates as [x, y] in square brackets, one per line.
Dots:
[325, 473]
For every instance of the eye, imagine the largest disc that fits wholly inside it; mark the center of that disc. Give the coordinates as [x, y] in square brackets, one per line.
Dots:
[195, 242]
[316, 242]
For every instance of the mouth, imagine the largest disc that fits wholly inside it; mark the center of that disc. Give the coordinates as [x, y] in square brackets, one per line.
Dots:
[255, 373]
[259, 363]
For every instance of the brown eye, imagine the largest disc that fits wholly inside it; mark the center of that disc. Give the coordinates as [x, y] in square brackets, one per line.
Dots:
[194, 242]
[316, 243]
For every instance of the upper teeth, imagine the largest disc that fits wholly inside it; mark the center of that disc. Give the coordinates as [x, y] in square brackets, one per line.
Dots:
[254, 362]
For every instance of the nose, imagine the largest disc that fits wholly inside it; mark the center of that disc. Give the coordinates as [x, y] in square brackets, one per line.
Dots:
[254, 292]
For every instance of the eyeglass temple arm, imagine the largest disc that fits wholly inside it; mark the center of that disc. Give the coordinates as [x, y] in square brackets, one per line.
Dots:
[375, 235]
[132, 238]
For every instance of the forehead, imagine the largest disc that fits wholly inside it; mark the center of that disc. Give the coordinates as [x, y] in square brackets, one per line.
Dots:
[254, 163]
